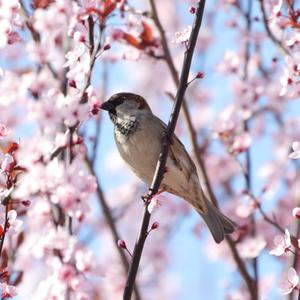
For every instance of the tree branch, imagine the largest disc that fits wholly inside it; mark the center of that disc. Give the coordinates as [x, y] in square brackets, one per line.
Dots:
[193, 139]
[111, 223]
[268, 30]
[160, 168]
[248, 164]
[5, 226]
[186, 113]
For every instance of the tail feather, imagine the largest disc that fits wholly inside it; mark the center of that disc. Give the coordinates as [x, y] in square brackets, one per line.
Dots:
[217, 222]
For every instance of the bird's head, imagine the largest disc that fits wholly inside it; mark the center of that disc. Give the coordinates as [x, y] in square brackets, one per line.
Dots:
[125, 104]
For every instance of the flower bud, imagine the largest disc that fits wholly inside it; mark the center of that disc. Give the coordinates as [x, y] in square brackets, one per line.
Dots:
[155, 225]
[122, 244]
[200, 75]
[192, 9]
[106, 47]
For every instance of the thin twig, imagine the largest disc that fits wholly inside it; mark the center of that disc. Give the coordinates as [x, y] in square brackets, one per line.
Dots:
[4, 229]
[273, 222]
[110, 222]
[159, 172]
[248, 163]
[294, 260]
[94, 51]
[268, 30]
[35, 35]
[241, 265]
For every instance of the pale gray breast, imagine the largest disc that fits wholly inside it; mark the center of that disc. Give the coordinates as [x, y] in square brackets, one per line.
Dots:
[139, 144]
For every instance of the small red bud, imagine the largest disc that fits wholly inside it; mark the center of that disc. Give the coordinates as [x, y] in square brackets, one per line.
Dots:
[26, 203]
[155, 225]
[106, 47]
[192, 9]
[95, 110]
[200, 75]
[81, 39]
[122, 244]
[72, 83]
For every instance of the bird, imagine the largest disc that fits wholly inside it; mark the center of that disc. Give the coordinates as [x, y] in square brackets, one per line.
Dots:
[138, 135]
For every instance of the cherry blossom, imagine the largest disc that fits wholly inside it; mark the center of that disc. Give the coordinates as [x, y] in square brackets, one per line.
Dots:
[7, 291]
[282, 244]
[290, 282]
[3, 131]
[251, 247]
[296, 212]
[182, 37]
[296, 150]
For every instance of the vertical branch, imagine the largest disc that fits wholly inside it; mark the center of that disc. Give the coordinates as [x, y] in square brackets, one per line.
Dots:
[159, 172]
[294, 259]
[248, 163]
[268, 30]
[5, 225]
[111, 223]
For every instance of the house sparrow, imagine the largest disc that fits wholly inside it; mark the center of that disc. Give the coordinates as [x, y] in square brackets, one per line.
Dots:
[138, 135]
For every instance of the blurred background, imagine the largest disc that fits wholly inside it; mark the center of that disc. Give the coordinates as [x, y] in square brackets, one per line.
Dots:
[61, 59]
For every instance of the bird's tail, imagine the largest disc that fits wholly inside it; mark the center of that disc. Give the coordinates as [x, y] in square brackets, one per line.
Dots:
[218, 223]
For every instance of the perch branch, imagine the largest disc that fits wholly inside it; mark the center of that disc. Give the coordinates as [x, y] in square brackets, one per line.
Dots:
[160, 168]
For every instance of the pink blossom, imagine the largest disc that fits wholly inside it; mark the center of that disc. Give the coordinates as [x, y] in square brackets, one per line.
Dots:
[294, 40]
[296, 150]
[73, 112]
[244, 210]
[290, 77]
[56, 239]
[14, 224]
[93, 98]
[7, 291]
[85, 261]
[79, 68]
[290, 281]
[296, 212]
[66, 273]
[251, 247]
[77, 31]
[6, 163]
[183, 36]
[230, 64]
[282, 244]
[241, 143]
[154, 205]
[74, 55]
[3, 131]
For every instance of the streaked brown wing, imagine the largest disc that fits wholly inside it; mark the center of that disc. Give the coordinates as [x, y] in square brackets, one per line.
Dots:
[180, 156]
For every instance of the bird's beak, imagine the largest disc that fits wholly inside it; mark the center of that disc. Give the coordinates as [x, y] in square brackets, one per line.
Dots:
[107, 106]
